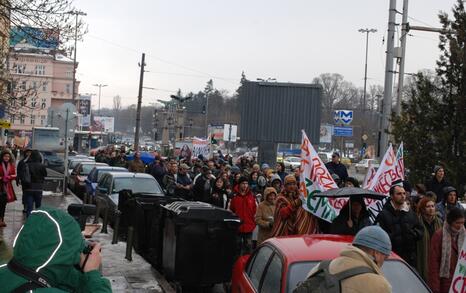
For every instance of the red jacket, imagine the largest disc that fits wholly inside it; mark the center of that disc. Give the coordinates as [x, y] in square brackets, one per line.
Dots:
[437, 284]
[244, 206]
[7, 184]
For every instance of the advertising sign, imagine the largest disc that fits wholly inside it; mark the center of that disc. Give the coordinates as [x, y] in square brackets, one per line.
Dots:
[105, 124]
[326, 132]
[84, 108]
[230, 132]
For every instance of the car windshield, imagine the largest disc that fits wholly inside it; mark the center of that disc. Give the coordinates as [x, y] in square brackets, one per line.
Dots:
[87, 168]
[101, 172]
[137, 185]
[74, 163]
[399, 275]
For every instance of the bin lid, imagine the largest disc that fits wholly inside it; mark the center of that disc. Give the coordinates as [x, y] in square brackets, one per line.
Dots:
[201, 211]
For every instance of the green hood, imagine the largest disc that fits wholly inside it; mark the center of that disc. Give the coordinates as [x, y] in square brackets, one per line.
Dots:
[50, 242]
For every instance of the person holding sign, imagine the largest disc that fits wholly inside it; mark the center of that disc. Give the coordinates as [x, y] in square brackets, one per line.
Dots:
[444, 251]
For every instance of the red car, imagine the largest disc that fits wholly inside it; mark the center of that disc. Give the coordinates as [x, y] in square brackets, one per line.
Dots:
[279, 264]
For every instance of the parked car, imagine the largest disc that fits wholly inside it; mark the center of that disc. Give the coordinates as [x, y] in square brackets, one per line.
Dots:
[363, 165]
[324, 157]
[53, 161]
[76, 180]
[73, 162]
[97, 173]
[112, 183]
[292, 162]
[279, 264]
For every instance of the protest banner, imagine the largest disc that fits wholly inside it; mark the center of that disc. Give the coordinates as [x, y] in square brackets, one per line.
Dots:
[369, 176]
[200, 147]
[458, 284]
[391, 169]
[314, 178]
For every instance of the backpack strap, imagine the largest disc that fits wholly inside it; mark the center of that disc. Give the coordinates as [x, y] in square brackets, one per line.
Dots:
[34, 278]
[353, 272]
[29, 286]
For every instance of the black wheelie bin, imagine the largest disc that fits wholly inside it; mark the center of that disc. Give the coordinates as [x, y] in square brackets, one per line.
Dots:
[199, 244]
[148, 221]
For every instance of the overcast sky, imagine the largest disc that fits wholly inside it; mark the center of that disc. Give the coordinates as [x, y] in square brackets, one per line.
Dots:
[188, 42]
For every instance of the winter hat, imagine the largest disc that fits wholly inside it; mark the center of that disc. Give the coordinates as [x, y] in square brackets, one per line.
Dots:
[184, 166]
[447, 190]
[269, 190]
[437, 168]
[290, 179]
[375, 238]
[275, 177]
[242, 179]
[265, 166]
[235, 170]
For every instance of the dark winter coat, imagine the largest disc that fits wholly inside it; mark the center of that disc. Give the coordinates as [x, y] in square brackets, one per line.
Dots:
[202, 189]
[38, 173]
[340, 224]
[338, 169]
[437, 187]
[404, 230]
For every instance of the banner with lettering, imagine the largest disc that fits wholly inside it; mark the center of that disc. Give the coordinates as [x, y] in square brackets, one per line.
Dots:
[314, 178]
[391, 169]
[458, 284]
[369, 176]
[200, 147]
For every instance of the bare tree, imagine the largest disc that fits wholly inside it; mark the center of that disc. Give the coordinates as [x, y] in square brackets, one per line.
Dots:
[116, 104]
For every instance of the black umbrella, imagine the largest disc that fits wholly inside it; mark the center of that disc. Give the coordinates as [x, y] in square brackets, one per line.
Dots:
[350, 192]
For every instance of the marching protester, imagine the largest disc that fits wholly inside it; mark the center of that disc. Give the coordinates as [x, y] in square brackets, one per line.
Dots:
[438, 182]
[336, 167]
[401, 224]
[136, 165]
[32, 190]
[203, 185]
[352, 218]
[265, 214]
[362, 261]
[60, 268]
[431, 223]
[21, 170]
[290, 218]
[243, 204]
[7, 175]
[184, 183]
[219, 195]
[449, 201]
[444, 251]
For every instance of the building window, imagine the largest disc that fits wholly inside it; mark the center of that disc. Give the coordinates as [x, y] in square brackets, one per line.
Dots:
[23, 85]
[43, 103]
[68, 88]
[33, 119]
[69, 73]
[40, 70]
[33, 102]
[33, 85]
[23, 102]
[44, 86]
[42, 120]
[21, 119]
[12, 118]
[20, 68]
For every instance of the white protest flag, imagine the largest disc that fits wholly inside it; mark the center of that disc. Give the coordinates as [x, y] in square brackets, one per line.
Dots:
[391, 169]
[369, 176]
[458, 284]
[314, 178]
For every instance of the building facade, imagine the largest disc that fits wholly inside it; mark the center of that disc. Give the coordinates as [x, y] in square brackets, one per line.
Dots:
[41, 79]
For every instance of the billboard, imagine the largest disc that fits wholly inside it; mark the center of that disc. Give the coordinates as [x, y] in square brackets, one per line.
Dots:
[326, 132]
[36, 37]
[84, 108]
[104, 124]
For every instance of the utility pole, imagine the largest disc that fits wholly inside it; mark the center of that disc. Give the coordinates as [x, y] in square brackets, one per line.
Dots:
[388, 86]
[65, 174]
[366, 31]
[77, 13]
[100, 86]
[404, 35]
[138, 111]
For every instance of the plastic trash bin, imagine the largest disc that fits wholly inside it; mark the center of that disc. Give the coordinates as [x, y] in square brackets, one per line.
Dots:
[199, 244]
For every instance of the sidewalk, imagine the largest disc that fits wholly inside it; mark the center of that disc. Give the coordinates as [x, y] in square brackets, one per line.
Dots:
[125, 276]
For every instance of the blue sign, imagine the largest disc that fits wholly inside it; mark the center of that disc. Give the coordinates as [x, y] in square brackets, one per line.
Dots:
[343, 131]
[343, 116]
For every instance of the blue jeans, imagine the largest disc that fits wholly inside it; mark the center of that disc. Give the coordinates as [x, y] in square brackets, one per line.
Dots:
[32, 197]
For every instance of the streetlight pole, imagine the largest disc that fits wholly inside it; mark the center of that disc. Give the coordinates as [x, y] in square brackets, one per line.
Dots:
[366, 31]
[66, 152]
[77, 13]
[100, 86]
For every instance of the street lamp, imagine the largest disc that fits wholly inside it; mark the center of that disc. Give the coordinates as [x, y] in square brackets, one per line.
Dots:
[366, 31]
[100, 86]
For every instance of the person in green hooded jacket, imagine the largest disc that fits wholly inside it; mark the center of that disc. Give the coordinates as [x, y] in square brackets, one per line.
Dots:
[51, 244]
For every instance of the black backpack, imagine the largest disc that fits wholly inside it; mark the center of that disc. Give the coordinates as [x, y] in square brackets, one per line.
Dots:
[323, 281]
[24, 173]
